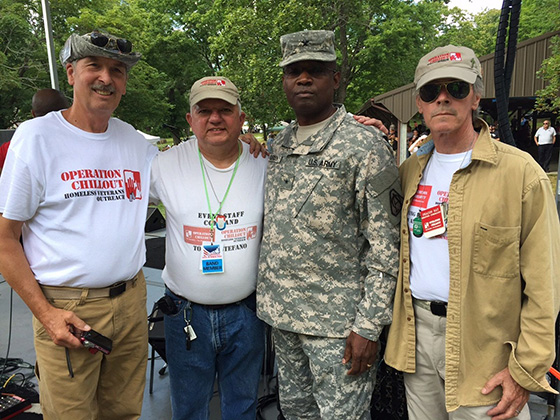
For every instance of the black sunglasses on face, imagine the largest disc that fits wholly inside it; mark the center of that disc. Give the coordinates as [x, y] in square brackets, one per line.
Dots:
[457, 89]
[100, 40]
[316, 72]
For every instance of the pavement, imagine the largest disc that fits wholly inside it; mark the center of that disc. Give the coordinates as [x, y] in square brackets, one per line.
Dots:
[16, 332]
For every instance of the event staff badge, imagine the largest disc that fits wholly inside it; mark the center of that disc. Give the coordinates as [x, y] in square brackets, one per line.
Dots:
[433, 221]
[212, 258]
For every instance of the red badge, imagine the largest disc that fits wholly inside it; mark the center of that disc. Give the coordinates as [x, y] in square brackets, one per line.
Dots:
[433, 222]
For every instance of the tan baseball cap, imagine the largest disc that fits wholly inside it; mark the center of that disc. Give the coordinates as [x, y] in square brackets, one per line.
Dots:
[214, 87]
[307, 45]
[449, 62]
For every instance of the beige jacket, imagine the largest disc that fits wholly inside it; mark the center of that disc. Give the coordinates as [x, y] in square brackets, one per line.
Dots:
[504, 257]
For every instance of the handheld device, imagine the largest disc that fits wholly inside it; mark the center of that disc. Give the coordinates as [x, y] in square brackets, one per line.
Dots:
[95, 342]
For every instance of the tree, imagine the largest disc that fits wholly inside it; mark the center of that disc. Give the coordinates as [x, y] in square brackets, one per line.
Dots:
[400, 32]
[145, 104]
[548, 99]
[378, 44]
[538, 17]
[21, 69]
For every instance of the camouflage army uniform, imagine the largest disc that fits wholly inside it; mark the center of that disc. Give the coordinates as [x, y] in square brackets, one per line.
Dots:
[329, 259]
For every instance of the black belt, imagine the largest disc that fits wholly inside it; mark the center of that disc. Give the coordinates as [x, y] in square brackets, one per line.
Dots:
[436, 307]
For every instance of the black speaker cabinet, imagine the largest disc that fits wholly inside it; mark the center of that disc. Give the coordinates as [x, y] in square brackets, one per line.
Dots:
[154, 220]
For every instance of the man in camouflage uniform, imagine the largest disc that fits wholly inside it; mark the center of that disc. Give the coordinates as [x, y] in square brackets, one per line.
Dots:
[329, 259]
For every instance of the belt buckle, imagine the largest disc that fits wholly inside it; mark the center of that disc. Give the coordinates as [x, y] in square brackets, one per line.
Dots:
[438, 308]
[117, 289]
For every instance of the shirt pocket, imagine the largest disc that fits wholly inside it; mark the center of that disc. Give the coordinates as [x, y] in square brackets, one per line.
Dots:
[316, 205]
[496, 250]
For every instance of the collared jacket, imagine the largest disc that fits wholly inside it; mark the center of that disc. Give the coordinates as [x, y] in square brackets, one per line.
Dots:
[504, 263]
[329, 255]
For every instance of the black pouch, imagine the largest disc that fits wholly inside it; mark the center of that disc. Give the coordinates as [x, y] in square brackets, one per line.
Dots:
[167, 305]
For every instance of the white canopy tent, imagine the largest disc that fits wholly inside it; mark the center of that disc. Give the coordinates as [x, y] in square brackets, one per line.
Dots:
[151, 139]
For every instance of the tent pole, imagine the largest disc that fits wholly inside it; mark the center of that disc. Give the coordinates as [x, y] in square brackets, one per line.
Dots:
[50, 43]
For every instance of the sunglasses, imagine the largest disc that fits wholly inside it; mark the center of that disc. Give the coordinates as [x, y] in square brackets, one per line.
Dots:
[100, 40]
[316, 72]
[458, 90]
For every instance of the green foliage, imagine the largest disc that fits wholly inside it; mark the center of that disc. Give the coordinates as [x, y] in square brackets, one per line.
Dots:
[21, 69]
[399, 34]
[378, 43]
[477, 32]
[548, 99]
[538, 17]
[139, 108]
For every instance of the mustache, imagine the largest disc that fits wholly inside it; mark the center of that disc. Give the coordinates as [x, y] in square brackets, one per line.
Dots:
[107, 88]
[444, 109]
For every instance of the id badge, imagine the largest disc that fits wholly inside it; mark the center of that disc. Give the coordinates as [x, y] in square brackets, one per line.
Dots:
[433, 221]
[212, 258]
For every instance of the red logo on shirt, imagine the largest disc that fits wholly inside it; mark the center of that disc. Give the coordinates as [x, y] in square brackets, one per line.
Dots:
[133, 185]
[422, 196]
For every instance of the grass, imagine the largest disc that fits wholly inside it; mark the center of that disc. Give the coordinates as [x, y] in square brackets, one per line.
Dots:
[553, 180]
[164, 143]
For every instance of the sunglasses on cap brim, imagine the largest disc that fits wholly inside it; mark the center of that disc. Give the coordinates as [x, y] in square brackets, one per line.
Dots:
[100, 40]
[457, 89]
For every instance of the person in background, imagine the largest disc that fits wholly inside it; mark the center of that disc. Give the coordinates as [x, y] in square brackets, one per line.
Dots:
[47, 100]
[3, 153]
[43, 102]
[545, 137]
[392, 138]
[494, 132]
[269, 141]
[75, 187]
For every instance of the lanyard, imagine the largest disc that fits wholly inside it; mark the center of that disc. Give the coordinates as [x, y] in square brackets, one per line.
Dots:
[213, 215]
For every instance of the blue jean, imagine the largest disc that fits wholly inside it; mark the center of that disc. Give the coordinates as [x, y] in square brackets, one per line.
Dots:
[229, 344]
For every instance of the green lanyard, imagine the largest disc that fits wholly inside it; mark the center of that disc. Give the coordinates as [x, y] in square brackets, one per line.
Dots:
[213, 215]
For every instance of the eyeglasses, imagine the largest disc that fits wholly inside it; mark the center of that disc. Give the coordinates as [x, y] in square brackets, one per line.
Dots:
[316, 72]
[457, 89]
[100, 40]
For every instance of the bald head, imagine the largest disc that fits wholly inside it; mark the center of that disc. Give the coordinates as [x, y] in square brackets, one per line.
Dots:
[47, 100]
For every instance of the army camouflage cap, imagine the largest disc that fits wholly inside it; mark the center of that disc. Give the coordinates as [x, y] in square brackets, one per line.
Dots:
[214, 87]
[307, 45]
[98, 44]
[449, 62]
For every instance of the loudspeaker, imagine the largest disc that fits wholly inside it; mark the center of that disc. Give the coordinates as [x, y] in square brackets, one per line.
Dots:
[154, 220]
[155, 253]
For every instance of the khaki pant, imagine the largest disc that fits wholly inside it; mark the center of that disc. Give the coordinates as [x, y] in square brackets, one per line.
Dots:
[425, 394]
[104, 386]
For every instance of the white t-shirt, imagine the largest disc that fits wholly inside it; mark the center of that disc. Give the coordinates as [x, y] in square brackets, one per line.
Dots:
[177, 182]
[545, 136]
[83, 197]
[429, 257]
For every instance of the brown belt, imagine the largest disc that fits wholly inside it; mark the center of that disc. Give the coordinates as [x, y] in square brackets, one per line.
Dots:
[57, 292]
